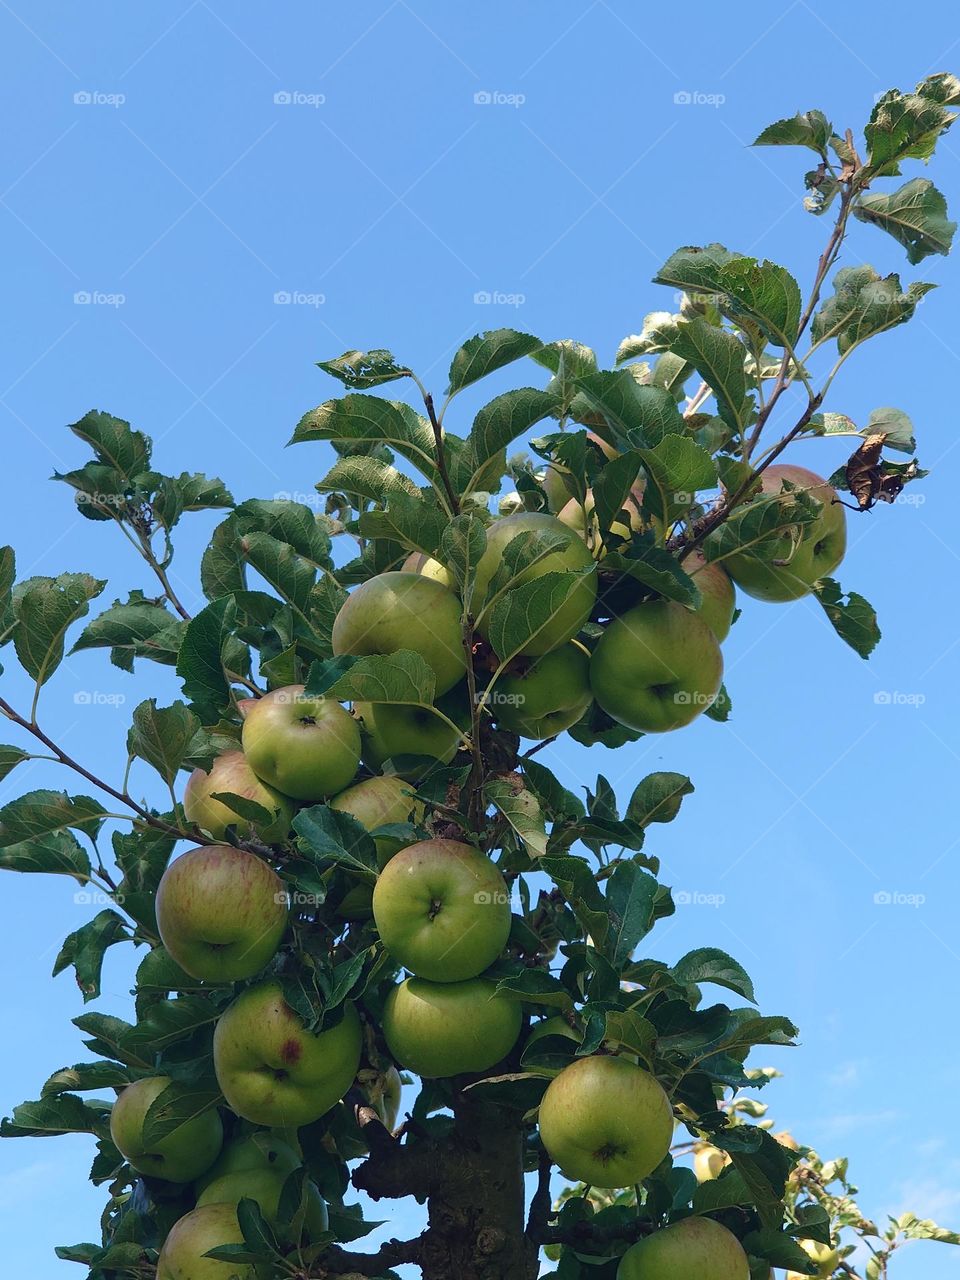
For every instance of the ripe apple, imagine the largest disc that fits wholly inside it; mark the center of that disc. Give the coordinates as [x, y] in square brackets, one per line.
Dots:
[606, 1121]
[553, 1026]
[440, 1029]
[182, 1255]
[442, 909]
[824, 1255]
[231, 773]
[265, 1187]
[573, 555]
[308, 748]
[692, 1249]
[414, 739]
[382, 1091]
[183, 1154]
[656, 667]
[541, 698]
[378, 802]
[822, 548]
[404, 611]
[719, 600]
[273, 1071]
[257, 1151]
[221, 912]
[427, 567]
[708, 1162]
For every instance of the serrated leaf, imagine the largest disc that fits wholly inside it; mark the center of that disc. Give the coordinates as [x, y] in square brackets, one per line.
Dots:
[413, 521]
[403, 677]
[657, 798]
[167, 1022]
[523, 612]
[502, 421]
[656, 568]
[10, 757]
[42, 813]
[904, 126]
[363, 477]
[631, 898]
[521, 809]
[361, 370]
[463, 542]
[710, 964]
[718, 358]
[86, 947]
[372, 421]
[177, 1106]
[677, 469]
[114, 442]
[52, 1117]
[330, 837]
[200, 662]
[482, 354]
[536, 986]
[162, 736]
[137, 628]
[657, 335]
[557, 801]
[575, 880]
[805, 129]
[915, 215]
[853, 618]
[640, 416]
[43, 609]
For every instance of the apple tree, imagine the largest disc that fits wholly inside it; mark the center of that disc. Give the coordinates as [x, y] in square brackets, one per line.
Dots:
[368, 870]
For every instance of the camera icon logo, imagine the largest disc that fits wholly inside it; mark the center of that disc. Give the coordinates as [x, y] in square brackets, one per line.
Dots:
[283, 98]
[483, 98]
[683, 98]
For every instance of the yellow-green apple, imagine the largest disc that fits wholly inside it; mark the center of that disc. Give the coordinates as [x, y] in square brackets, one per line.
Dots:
[553, 1026]
[382, 1091]
[182, 1256]
[231, 774]
[259, 1150]
[404, 611]
[380, 802]
[221, 912]
[823, 542]
[427, 567]
[414, 739]
[442, 909]
[656, 667]
[180, 1156]
[272, 1070]
[265, 1186]
[440, 1029]
[541, 697]
[824, 1256]
[582, 517]
[573, 555]
[708, 1161]
[719, 599]
[306, 747]
[692, 1249]
[606, 1121]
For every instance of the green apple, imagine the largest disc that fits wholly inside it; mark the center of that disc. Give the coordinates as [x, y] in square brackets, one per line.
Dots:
[379, 802]
[382, 1091]
[692, 1249]
[553, 1026]
[260, 1150]
[414, 739]
[708, 1162]
[427, 567]
[824, 543]
[232, 774]
[542, 697]
[581, 516]
[606, 1121]
[825, 1256]
[183, 1154]
[572, 555]
[404, 611]
[221, 912]
[273, 1071]
[719, 599]
[656, 667]
[265, 1186]
[442, 910]
[182, 1255]
[440, 1029]
[308, 748]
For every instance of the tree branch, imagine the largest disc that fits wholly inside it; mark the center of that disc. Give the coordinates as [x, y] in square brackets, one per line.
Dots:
[395, 1169]
[337, 1262]
[450, 491]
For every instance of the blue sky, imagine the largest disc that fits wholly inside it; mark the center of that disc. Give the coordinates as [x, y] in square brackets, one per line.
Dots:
[153, 168]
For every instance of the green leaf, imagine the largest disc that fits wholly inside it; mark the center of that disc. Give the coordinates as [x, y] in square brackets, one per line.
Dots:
[403, 676]
[87, 1075]
[416, 523]
[371, 421]
[482, 354]
[677, 468]
[137, 628]
[43, 609]
[657, 568]
[162, 736]
[520, 615]
[53, 1117]
[805, 129]
[57, 853]
[463, 542]
[290, 574]
[915, 215]
[177, 1106]
[85, 949]
[853, 618]
[361, 370]
[631, 898]
[536, 986]
[718, 358]
[763, 526]
[326, 601]
[721, 707]
[43, 813]
[741, 287]
[557, 801]
[896, 428]
[521, 809]
[657, 335]
[202, 493]
[575, 880]
[863, 304]
[904, 126]
[709, 964]
[363, 477]
[640, 416]
[778, 1249]
[330, 837]
[114, 442]
[200, 664]
[169, 1021]
[658, 797]
[764, 1166]
[502, 421]
[10, 757]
